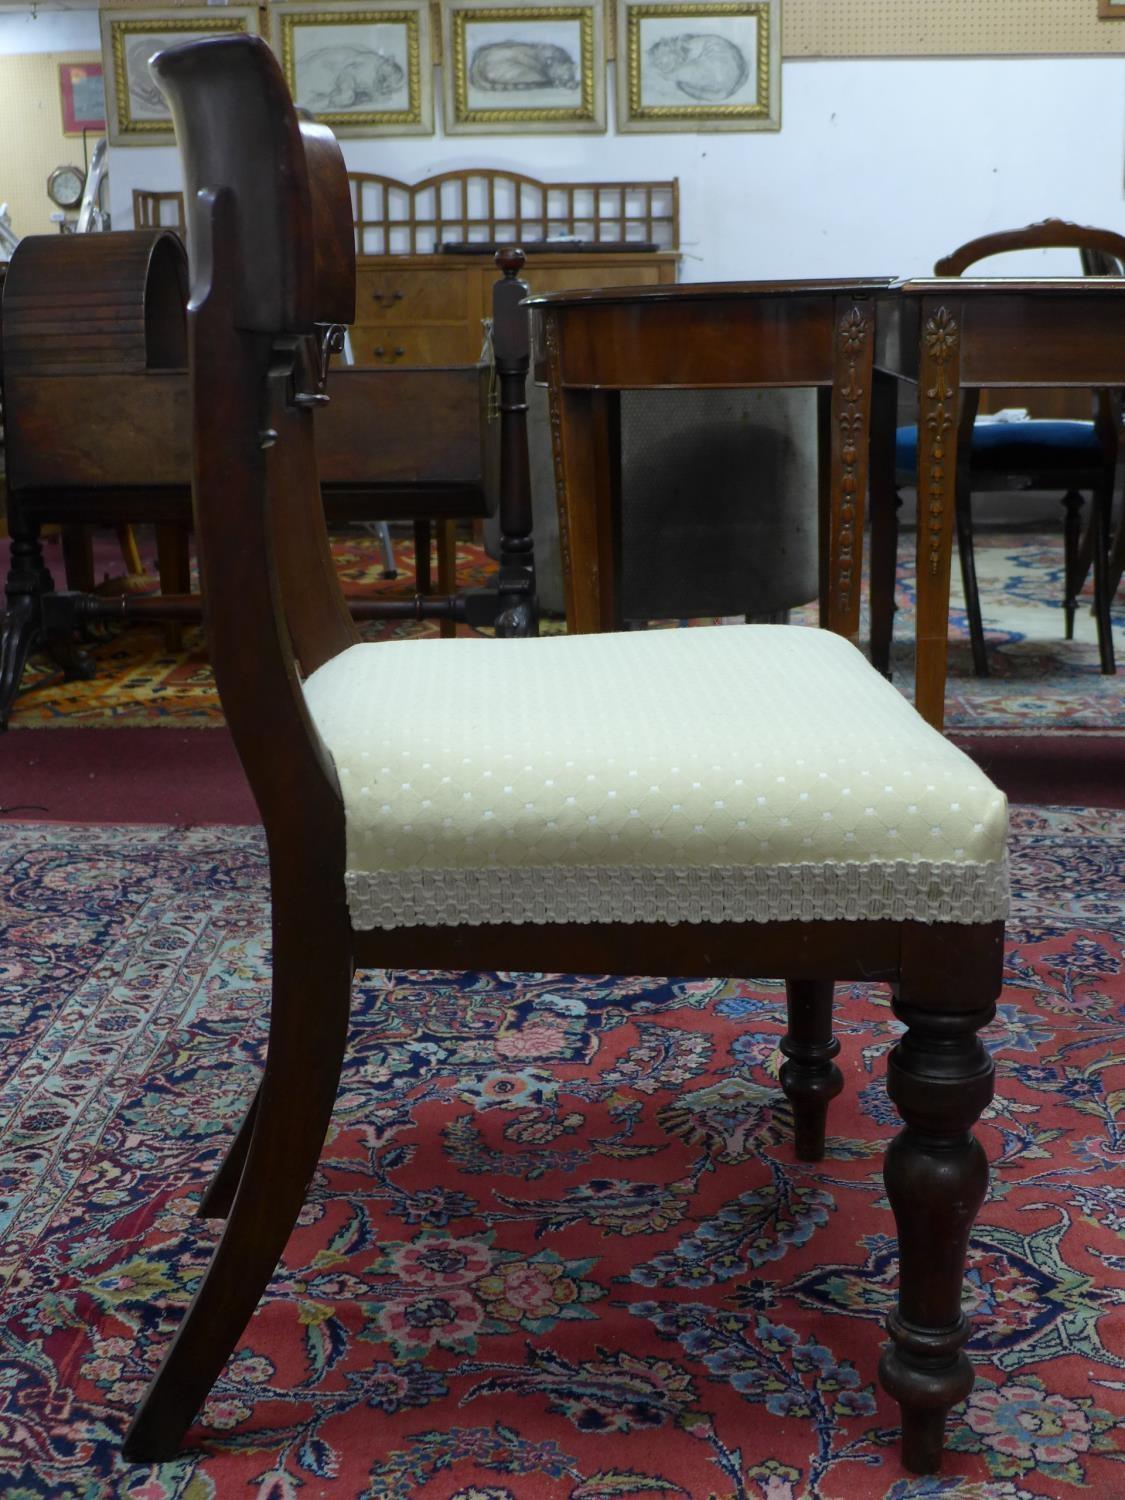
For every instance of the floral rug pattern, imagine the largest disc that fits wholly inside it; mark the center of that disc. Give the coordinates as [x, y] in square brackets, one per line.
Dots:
[557, 1247]
[1039, 683]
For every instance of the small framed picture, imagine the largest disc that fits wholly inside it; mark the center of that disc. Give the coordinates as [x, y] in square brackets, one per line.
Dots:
[138, 113]
[705, 66]
[517, 69]
[1111, 10]
[360, 69]
[83, 97]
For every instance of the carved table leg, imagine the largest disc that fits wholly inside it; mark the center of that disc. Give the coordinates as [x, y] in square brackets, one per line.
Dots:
[809, 1077]
[848, 458]
[938, 393]
[940, 1079]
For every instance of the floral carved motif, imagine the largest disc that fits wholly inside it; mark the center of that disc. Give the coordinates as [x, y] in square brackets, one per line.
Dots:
[853, 358]
[941, 339]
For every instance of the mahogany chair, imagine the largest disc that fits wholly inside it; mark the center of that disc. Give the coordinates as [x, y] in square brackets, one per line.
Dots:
[1040, 454]
[750, 800]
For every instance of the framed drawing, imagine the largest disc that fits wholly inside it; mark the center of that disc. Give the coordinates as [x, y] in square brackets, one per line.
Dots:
[138, 115]
[698, 66]
[515, 68]
[1111, 10]
[362, 69]
[83, 97]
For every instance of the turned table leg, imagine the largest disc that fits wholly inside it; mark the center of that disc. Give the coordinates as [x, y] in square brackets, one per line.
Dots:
[809, 1077]
[940, 1079]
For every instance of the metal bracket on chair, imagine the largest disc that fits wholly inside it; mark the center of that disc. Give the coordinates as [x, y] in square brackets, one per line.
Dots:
[325, 342]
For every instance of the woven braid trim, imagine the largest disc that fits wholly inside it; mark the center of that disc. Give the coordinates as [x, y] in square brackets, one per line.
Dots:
[897, 892]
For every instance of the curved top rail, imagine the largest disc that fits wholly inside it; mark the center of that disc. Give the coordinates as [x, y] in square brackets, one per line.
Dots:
[232, 113]
[1048, 234]
[493, 205]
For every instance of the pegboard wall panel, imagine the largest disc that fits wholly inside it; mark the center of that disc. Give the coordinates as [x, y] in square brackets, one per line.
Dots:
[946, 28]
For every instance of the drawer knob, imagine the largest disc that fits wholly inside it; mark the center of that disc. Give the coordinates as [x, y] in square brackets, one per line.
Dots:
[386, 297]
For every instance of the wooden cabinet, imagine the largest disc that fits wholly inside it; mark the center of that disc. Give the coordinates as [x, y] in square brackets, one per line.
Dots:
[429, 309]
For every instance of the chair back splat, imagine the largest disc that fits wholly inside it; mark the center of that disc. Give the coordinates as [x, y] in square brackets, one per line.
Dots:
[273, 276]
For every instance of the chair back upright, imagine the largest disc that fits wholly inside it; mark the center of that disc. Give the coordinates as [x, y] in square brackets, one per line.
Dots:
[272, 267]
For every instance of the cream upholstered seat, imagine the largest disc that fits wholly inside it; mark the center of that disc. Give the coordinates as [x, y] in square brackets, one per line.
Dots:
[745, 773]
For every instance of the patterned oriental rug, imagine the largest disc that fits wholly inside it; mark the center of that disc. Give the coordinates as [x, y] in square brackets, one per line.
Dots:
[1040, 683]
[558, 1247]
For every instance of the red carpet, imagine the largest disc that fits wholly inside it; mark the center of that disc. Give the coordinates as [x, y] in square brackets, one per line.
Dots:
[557, 1247]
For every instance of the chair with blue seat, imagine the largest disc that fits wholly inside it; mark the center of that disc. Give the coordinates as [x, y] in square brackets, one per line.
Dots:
[1037, 454]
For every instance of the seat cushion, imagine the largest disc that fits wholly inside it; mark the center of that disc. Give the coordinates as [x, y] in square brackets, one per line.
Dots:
[1035, 446]
[733, 773]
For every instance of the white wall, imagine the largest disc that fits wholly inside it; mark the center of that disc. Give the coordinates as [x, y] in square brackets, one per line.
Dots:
[880, 165]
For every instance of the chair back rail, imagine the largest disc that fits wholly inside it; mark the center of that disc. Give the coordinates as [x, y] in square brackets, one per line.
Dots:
[272, 603]
[1049, 234]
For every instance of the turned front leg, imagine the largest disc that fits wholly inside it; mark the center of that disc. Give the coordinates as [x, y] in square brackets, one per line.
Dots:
[940, 1079]
[809, 1077]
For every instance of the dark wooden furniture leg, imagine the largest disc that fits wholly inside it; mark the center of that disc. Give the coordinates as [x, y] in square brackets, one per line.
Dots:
[1103, 591]
[964, 516]
[216, 1201]
[940, 1078]
[1072, 546]
[884, 518]
[173, 563]
[78, 557]
[311, 957]
[809, 1077]
[422, 572]
[447, 570]
[34, 614]
[586, 442]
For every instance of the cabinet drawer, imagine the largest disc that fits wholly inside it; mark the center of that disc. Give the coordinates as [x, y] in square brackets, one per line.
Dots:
[389, 295]
[401, 344]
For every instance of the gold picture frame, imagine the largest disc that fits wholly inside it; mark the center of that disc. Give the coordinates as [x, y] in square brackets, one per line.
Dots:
[698, 65]
[1111, 10]
[515, 68]
[136, 112]
[362, 69]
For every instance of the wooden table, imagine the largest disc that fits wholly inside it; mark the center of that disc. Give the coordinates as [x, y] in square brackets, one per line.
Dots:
[591, 345]
[945, 335]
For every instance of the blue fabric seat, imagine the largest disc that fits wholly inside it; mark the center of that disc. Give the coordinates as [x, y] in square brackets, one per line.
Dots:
[1035, 447]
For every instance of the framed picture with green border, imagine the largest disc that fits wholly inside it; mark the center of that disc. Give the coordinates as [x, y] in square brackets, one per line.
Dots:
[514, 68]
[136, 110]
[361, 69]
[690, 65]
